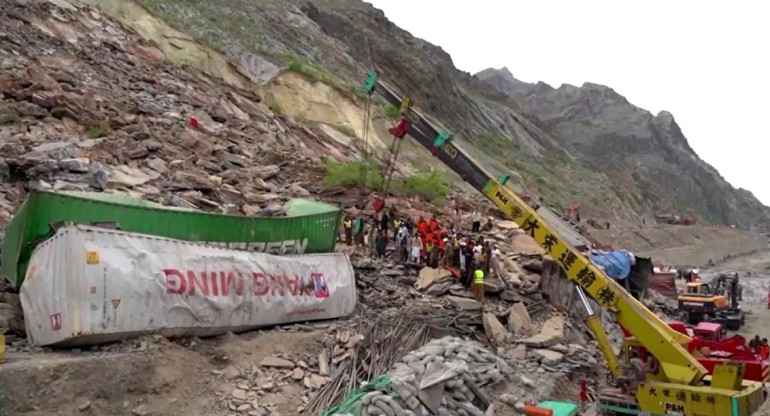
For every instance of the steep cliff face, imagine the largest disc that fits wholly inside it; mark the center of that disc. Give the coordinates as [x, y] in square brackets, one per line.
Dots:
[604, 128]
[585, 145]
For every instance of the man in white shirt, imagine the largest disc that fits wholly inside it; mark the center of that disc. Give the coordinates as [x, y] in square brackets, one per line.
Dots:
[476, 219]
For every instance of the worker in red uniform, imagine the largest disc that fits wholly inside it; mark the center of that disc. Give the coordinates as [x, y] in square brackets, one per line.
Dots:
[764, 350]
[422, 227]
[432, 224]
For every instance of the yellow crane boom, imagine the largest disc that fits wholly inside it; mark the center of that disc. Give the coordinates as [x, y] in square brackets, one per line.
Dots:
[680, 375]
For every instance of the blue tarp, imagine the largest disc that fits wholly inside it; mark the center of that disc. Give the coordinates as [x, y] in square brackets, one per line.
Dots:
[616, 264]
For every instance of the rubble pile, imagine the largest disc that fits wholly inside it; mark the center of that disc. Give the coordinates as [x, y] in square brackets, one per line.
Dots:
[443, 377]
[87, 105]
[11, 315]
[250, 384]
[663, 306]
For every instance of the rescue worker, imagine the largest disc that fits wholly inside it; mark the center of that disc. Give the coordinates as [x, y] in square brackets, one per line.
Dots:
[422, 227]
[433, 223]
[358, 230]
[381, 243]
[456, 218]
[476, 221]
[456, 252]
[463, 256]
[428, 249]
[764, 350]
[469, 267]
[416, 256]
[372, 237]
[348, 226]
[633, 374]
[433, 256]
[448, 252]
[478, 284]
[384, 224]
[754, 344]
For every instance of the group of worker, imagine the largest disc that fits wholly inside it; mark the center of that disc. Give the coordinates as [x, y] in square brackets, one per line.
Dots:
[760, 347]
[428, 242]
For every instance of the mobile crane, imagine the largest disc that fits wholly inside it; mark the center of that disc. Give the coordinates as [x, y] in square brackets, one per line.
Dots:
[680, 385]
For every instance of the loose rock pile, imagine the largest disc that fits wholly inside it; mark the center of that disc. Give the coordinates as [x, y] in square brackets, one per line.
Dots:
[87, 105]
[443, 377]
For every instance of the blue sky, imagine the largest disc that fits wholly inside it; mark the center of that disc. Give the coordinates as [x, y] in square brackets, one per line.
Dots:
[706, 62]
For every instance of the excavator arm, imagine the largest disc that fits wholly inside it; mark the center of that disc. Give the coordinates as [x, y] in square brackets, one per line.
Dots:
[658, 338]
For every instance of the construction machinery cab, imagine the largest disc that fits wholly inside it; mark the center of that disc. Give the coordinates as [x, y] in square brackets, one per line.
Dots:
[699, 289]
[710, 331]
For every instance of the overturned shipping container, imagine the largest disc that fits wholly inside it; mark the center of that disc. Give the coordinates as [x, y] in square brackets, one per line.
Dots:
[89, 285]
[308, 227]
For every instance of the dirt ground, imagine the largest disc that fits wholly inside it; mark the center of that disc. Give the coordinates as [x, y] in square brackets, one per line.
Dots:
[694, 245]
[754, 272]
[150, 376]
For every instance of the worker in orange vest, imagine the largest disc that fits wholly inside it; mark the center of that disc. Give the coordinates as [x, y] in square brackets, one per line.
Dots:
[433, 224]
[422, 227]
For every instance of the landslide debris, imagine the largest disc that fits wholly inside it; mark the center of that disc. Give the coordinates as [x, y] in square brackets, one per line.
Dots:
[89, 105]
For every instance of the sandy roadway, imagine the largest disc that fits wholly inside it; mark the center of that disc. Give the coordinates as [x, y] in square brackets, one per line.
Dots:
[754, 272]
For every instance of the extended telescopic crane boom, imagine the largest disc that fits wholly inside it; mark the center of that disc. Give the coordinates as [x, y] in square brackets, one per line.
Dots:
[676, 365]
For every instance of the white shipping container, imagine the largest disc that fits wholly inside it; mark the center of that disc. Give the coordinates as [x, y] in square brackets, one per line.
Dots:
[88, 285]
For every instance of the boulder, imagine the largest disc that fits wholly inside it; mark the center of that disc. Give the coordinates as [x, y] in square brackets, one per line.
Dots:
[494, 329]
[533, 265]
[439, 289]
[493, 286]
[548, 357]
[552, 333]
[523, 243]
[508, 225]
[461, 291]
[518, 353]
[559, 348]
[78, 165]
[513, 279]
[465, 304]
[127, 176]
[510, 296]
[533, 278]
[430, 276]
[278, 362]
[519, 321]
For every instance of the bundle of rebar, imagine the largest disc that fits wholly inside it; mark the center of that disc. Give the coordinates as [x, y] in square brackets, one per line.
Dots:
[386, 340]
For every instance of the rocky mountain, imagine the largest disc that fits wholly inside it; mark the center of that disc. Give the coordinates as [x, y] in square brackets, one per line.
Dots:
[601, 126]
[586, 145]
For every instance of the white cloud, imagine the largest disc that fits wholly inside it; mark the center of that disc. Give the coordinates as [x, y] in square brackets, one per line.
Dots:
[706, 62]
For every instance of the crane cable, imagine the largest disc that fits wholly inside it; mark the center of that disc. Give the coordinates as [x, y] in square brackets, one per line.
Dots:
[367, 113]
[366, 147]
[390, 166]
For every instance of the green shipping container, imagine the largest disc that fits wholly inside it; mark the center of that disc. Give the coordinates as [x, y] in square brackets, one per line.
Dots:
[309, 227]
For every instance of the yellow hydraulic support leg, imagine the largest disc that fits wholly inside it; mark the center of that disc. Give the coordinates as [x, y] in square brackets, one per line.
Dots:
[595, 325]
